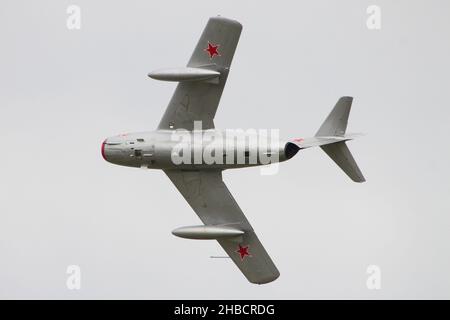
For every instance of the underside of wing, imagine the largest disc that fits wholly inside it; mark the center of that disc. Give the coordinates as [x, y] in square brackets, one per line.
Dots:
[198, 100]
[210, 198]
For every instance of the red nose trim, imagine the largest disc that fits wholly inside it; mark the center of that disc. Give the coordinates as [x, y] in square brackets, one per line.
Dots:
[103, 149]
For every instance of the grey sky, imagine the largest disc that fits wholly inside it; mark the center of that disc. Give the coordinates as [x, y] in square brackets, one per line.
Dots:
[63, 91]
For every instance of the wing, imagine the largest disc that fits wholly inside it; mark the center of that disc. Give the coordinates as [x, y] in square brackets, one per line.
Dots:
[198, 100]
[208, 195]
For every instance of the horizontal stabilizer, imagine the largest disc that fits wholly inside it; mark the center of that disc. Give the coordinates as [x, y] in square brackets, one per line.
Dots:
[342, 156]
[321, 141]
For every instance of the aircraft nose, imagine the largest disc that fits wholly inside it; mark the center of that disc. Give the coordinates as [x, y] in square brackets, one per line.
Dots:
[103, 150]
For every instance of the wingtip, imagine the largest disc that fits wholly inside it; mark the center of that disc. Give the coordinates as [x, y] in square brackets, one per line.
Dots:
[266, 279]
[358, 179]
[227, 20]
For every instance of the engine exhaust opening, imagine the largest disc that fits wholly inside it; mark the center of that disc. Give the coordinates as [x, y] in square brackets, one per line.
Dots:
[291, 149]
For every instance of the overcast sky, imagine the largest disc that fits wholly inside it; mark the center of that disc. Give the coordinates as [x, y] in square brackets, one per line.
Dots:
[63, 91]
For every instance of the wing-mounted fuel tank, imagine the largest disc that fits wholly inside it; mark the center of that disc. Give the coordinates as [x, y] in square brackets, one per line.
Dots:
[185, 74]
[209, 232]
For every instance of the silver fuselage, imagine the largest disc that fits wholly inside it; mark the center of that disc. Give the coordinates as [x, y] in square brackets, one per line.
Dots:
[161, 149]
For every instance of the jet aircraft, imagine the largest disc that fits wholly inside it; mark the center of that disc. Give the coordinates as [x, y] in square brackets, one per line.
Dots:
[194, 102]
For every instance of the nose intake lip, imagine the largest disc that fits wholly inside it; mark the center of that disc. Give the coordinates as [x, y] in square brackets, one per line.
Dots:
[103, 150]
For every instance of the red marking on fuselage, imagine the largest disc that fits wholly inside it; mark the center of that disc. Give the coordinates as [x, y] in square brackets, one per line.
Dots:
[103, 149]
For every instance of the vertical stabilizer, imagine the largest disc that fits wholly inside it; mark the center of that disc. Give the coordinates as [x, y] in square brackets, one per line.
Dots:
[336, 122]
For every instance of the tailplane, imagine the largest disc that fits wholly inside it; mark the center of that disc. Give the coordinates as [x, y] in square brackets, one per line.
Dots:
[331, 137]
[342, 156]
[335, 125]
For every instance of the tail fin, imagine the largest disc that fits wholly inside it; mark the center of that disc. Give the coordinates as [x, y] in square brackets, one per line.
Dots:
[335, 125]
[336, 122]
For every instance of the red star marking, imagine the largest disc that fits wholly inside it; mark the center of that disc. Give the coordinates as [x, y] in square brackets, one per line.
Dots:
[299, 140]
[212, 50]
[243, 252]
